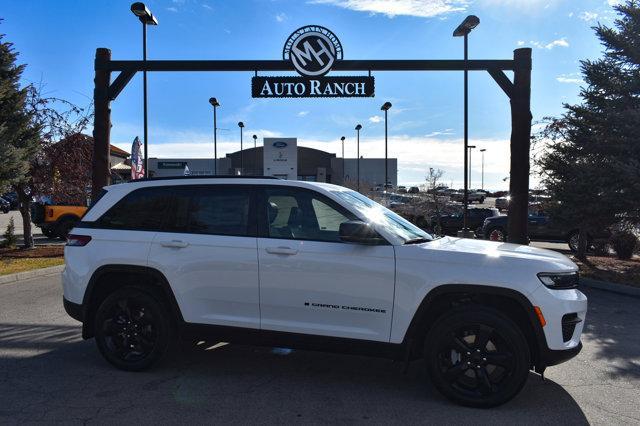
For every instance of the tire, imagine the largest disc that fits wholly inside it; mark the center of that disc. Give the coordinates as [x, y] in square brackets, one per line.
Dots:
[48, 232]
[133, 330]
[496, 234]
[474, 373]
[64, 227]
[573, 240]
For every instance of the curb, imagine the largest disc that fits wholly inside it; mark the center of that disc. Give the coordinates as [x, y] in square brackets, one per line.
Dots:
[611, 287]
[11, 278]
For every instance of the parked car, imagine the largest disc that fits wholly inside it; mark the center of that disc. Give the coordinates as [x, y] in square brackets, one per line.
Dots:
[471, 197]
[540, 228]
[452, 223]
[315, 266]
[502, 203]
[5, 206]
[414, 190]
[402, 189]
[12, 198]
[56, 221]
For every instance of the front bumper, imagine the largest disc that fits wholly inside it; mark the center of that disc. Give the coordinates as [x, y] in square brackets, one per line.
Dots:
[553, 357]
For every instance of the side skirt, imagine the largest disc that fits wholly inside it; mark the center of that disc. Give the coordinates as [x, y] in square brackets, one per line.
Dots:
[255, 337]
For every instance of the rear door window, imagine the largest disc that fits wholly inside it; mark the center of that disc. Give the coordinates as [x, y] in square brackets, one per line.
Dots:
[213, 210]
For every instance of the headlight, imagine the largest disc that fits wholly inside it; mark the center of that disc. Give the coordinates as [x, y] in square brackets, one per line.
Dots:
[559, 280]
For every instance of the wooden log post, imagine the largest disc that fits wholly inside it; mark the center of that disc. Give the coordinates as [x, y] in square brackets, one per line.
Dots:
[101, 175]
[520, 144]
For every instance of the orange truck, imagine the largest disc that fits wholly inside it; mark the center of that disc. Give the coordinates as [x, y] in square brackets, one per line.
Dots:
[56, 221]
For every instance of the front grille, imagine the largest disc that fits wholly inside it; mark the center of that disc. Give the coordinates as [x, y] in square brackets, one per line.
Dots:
[569, 322]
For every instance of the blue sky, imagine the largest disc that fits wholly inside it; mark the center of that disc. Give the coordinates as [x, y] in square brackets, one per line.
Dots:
[57, 39]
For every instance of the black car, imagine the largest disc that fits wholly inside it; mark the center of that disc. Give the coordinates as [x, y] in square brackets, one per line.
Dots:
[540, 228]
[5, 206]
[452, 223]
[12, 199]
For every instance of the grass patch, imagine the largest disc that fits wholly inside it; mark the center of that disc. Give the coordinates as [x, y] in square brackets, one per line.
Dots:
[21, 264]
[611, 269]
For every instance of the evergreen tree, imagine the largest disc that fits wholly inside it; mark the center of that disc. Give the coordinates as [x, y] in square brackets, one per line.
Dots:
[19, 138]
[592, 163]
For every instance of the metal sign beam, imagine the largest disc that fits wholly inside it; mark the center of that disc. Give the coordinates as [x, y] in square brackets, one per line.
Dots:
[280, 65]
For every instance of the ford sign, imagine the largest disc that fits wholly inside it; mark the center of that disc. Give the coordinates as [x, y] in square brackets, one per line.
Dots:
[279, 144]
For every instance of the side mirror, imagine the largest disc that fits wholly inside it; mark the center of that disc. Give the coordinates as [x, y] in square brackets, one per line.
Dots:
[356, 231]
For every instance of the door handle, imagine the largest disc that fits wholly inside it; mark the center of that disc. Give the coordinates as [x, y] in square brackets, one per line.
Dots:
[281, 250]
[174, 244]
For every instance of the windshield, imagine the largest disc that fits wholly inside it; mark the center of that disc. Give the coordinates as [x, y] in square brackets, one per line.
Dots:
[378, 214]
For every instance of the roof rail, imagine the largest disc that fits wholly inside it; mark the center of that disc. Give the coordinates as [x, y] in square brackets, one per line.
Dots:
[202, 177]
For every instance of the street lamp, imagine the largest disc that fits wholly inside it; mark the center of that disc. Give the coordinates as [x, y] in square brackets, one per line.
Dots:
[215, 104]
[241, 125]
[146, 18]
[470, 148]
[255, 152]
[463, 30]
[385, 108]
[482, 151]
[342, 139]
[358, 127]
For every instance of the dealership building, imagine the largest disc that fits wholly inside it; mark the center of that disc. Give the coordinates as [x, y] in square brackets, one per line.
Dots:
[282, 158]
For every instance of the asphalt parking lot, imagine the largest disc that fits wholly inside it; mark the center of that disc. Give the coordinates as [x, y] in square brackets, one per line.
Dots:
[49, 374]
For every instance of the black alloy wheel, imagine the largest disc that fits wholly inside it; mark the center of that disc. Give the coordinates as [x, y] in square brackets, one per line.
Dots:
[132, 330]
[477, 357]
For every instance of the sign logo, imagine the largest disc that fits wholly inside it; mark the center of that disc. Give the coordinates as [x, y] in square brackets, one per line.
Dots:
[312, 50]
[279, 144]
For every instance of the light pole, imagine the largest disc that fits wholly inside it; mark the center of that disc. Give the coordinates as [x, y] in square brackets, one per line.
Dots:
[463, 30]
[255, 152]
[241, 125]
[215, 104]
[470, 148]
[358, 127]
[146, 18]
[342, 139]
[482, 151]
[385, 108]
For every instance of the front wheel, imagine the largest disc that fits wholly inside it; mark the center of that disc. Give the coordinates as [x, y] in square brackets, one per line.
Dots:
[477, 357]
[497, 234]
[132, 329]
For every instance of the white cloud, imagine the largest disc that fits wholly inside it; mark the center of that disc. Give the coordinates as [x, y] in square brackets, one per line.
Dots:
[302, 113]
[375, 119]
[391, 8]
[444, 132]
[573, 78]
[561, 42]
[588, 16]
[615, 2]
[281, 17]
[172, 9]
[570, 15]
[520, 42]
[206, 6]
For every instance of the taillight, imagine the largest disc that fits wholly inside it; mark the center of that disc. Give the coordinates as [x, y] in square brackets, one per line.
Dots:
[78, 240]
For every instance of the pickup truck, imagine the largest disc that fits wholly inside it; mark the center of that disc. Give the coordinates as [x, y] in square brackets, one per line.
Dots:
[56, 221]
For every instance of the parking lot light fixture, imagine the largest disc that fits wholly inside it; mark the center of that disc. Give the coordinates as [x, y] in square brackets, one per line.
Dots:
[241, 125]
[385, 107]
[482, 151]
[255, 152]
[342, 139]
[215, 104]
[358, 128]
[470, 148]
[146, 18]
[463, 30]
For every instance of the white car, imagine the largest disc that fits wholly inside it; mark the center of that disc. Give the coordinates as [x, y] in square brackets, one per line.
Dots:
[315, 266]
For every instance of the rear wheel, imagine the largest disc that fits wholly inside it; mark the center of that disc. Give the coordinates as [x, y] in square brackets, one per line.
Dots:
[64, 227]
[574, 241]
[132, 329]
[477, 357]
[497, 234]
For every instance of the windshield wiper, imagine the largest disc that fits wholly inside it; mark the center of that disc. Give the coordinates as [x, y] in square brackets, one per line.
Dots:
[417, 241]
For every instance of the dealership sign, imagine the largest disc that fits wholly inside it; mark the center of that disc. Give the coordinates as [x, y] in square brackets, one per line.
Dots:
[312, 50]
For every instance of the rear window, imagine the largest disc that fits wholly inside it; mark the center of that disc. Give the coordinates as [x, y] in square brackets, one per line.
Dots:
[141, 210]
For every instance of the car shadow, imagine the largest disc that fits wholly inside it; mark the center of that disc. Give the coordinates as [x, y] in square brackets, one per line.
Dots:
[612, 323]
[47, 373]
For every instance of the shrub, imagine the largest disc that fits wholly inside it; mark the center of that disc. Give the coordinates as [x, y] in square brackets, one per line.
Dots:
[10, 239]
[624, 243]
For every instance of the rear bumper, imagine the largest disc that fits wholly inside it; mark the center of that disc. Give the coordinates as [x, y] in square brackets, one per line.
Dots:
[74, 310]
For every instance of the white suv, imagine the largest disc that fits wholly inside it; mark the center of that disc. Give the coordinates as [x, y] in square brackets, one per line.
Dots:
[315, 266]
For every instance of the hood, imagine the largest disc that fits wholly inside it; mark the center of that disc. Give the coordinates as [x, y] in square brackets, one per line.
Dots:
[468, 249]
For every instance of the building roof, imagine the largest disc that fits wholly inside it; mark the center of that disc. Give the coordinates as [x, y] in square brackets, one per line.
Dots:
[121, 166]
[117, 151]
